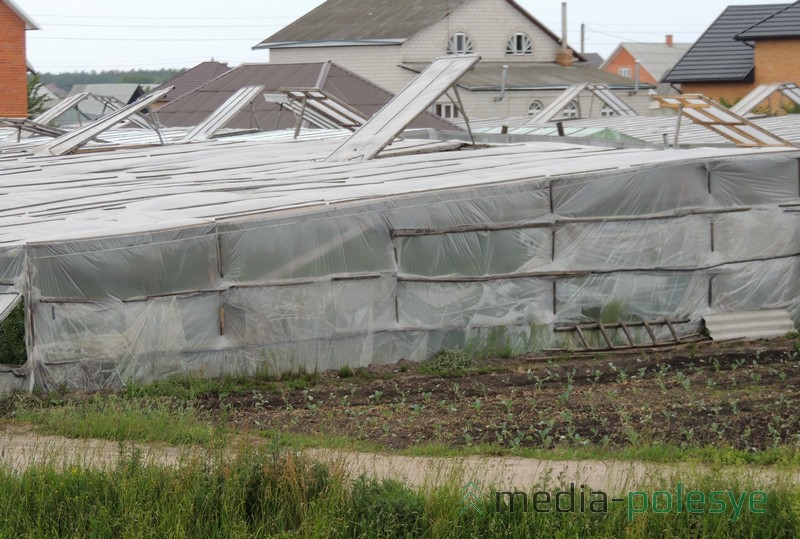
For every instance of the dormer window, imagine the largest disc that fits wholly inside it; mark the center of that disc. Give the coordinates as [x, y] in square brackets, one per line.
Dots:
[460, 44]
[519, 44]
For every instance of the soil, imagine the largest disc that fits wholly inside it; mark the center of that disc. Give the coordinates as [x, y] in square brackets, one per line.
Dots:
[742, 395]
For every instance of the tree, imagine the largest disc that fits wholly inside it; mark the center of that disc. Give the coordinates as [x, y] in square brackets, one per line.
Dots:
[36, 98]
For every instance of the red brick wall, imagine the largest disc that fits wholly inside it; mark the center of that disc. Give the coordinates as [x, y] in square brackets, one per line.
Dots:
[624, 59]
[730, 91]
[13, 70]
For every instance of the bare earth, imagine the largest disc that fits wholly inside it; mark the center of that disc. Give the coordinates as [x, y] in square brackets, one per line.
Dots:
[21, 447]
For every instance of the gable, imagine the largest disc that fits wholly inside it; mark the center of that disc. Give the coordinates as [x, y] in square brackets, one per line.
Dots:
[718, 56]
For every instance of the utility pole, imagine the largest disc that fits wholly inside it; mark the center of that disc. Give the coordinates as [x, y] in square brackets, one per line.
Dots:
[583, 36]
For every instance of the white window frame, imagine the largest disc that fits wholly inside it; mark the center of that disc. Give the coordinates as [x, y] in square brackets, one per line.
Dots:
[625, 72]
[445, 110]
[535, 107]
[607, 111]
[460, 44]
[519, 44]
[571, 110]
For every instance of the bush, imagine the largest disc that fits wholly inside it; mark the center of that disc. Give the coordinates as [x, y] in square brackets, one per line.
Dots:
[12, 337]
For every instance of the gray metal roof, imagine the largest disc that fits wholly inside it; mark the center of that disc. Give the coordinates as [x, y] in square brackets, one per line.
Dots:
[656, 58]
[194, 107]
[194, 78]
[360, 20]
[533, 75]
[783, 24]
[718, 56]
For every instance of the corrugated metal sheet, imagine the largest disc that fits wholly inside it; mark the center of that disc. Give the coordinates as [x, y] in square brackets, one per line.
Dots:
[194, 107]
[749, 324]
[783, 24]
[717, 55]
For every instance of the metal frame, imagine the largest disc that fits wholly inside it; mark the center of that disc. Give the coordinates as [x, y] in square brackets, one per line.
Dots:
[711, 115]
[746, 105]
[318, 107]
[224, 114]
[420, 94]
[69, 142]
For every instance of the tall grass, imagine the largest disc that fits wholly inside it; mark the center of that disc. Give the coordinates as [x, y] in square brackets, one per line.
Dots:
[276, 493]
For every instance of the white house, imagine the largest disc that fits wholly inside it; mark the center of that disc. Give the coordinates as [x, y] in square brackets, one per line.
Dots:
[390, 41]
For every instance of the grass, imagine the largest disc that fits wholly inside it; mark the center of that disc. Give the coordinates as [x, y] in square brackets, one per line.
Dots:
[118, 419]
[274, 492]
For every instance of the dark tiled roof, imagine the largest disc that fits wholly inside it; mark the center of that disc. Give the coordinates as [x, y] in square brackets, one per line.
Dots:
[534, 75]
[718, 56]
[364, 20]
[194, 107]
[783, 24]
[193, 78]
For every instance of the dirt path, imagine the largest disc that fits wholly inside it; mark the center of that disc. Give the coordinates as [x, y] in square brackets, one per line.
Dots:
[21, 447]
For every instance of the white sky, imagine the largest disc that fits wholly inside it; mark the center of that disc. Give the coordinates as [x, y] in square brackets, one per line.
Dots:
[117, 34]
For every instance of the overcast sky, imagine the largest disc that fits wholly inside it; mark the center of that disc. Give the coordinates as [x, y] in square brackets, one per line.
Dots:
[116, 34]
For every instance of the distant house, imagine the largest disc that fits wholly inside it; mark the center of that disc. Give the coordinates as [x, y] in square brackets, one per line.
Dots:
[653, 59]
[746, 46]
[390, 41]
[194, 107]
[13, 61]
[189, 80]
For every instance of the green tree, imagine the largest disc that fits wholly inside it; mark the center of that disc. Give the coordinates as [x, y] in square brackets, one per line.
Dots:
[36, 98]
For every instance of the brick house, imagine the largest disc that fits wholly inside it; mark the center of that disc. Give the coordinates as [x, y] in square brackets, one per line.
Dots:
[390, 41]
[654, 59]
[13, 64]
[746, 46]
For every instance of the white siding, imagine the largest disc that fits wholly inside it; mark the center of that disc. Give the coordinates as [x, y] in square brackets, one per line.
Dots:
[489, 23]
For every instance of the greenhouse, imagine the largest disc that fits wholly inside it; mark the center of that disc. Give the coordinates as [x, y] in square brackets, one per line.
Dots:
[241, 255]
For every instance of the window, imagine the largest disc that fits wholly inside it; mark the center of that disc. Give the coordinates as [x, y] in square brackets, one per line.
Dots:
[519, 44]
[607, 111]
[535, 108]
[445, 110]
[625, 72]
[460, 44]
[571, 110]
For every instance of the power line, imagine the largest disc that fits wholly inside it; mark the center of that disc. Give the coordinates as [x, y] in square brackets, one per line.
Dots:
[260, 38]
[210, 17]
[168, 27]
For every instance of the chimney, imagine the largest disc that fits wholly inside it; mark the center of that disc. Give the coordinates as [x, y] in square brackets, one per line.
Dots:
[669, 40]
[564, 56]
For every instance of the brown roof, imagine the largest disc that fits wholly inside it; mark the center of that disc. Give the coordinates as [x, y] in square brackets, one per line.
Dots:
[196, 106]
[193, 78]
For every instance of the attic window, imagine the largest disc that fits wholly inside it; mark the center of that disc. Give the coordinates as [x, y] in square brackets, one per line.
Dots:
[460, 44]
[535, 108]
[572, 110]
[519, 44]
[445, 110]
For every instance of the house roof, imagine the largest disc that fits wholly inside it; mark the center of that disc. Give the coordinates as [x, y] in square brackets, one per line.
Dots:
[594, 59]
[30, 24]
[371, 22]
[193, 78]
[91, 109]
[194, 107]
[362, 20]
[718, 56]
[780, 25]
[487, 76]
[656, 58]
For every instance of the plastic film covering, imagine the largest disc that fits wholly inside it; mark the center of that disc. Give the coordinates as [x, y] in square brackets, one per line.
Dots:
[487, 267]
[126, 267]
